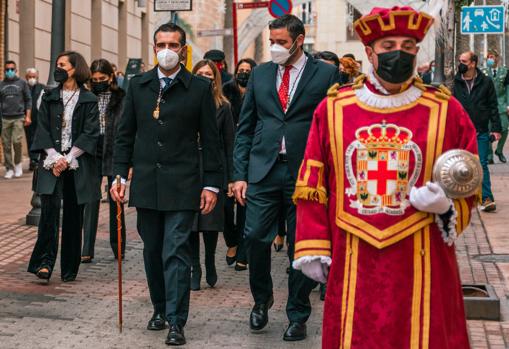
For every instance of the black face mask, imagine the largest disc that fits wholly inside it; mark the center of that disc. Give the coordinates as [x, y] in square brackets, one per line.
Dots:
[99, 87]
[243, 78]
[60, 75]
[462, 68]
[395, 66]
[344, 78]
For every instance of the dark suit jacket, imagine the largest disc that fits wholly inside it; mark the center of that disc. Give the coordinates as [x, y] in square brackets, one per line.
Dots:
[85, 133]
[164, 152]
[263, 123]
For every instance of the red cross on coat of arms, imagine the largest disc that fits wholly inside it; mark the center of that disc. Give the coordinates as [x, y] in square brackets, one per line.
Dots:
[381, 180]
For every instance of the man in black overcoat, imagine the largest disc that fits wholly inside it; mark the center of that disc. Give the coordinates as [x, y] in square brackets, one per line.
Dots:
[273, 128]
[166, 109]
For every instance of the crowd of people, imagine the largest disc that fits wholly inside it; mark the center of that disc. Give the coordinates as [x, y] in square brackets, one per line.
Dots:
[206, 151]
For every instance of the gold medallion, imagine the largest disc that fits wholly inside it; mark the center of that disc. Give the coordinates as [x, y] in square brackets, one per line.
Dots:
[155, 114]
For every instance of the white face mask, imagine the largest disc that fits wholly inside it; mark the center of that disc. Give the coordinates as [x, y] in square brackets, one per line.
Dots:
[32, 81]
[167, 59]
[280, 54]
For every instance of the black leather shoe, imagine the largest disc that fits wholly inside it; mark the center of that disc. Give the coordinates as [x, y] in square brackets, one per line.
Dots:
[259, 315]
[295, 332]
[175, 336]
[501, 157]
[69, 278]
[157, 322]
[210, 273]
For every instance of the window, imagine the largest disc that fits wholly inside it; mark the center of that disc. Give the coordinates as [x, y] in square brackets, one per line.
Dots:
[352, 14]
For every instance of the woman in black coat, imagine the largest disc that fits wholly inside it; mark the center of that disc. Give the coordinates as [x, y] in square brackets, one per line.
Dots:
[111, 105]
[233, 234]
[213, 222]
[66, 137]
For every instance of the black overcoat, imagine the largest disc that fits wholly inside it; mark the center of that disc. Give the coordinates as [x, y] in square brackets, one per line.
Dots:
[164, 152]
[85, 133]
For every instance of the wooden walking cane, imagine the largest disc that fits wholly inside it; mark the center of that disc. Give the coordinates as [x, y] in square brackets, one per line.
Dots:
[119, 256]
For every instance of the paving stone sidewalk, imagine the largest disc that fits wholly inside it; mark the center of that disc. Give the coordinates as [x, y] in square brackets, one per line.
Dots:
[83, 314]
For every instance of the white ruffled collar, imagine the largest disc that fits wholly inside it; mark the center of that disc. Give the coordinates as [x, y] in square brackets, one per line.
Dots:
[385, 100]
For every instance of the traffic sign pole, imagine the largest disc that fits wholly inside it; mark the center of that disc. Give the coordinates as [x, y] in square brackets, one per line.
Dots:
[242, 6]
[235, 35]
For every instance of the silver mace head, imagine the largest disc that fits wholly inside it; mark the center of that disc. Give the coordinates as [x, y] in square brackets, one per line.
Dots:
[459, 173]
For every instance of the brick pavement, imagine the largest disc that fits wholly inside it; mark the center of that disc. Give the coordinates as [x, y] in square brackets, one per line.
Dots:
[83, 314]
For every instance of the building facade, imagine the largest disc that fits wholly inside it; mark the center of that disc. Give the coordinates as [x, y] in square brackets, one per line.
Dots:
[113, 29]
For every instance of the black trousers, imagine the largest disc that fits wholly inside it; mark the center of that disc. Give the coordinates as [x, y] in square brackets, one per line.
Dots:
[262, 219]
[91, 221]
[234, 222]
[46, 246]
[167, 257]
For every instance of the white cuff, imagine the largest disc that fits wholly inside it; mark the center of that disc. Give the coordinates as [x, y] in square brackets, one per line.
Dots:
[76, 152]
[212, 189]
[72, 161]
[122, 181]
[52, 158]
[451, 235]
[297, 264]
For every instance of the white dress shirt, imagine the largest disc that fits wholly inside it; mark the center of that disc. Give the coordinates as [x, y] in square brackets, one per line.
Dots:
[295, 75]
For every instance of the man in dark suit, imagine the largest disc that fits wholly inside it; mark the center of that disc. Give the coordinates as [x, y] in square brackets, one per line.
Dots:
[274, 124]
[165, 110]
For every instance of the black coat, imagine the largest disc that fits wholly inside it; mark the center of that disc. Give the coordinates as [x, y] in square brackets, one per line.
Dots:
[85, 132]
[114, 112]
[214, 221]
[263, 123]
[481, 103]
[232, 93]
[164, 152]
[35, 92]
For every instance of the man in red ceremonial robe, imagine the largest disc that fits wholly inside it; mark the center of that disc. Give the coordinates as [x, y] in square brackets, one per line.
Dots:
[370, 221]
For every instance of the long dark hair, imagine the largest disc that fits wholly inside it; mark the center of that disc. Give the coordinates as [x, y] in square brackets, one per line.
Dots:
[104, 66]
[249, 61]
[81, 71]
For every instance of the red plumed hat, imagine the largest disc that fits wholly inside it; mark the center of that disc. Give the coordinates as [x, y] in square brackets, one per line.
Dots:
[396, 21]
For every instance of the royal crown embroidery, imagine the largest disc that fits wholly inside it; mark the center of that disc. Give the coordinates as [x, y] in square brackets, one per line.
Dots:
[381, 180]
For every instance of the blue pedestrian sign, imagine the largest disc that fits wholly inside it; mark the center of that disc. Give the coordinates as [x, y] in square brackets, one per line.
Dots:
[482, 20]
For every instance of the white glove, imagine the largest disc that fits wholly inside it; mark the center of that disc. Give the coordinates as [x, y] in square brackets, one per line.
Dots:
[315, 270]
[430, 198]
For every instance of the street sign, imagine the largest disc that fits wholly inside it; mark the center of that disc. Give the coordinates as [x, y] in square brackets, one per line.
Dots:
[278, 8]
[482, 20]
[173, 5]
[251, 5]
[215, 32]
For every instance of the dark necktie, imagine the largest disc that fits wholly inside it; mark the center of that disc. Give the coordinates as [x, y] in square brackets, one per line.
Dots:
[284, 88]
[167, 82]
[494, 73]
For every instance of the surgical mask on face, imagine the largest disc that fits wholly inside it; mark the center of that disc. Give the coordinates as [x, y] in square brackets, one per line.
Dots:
[490, 62]
[10, 73]
[32, 81]
[280, 54]
[167, 59]
[462, 68]
[395, 66]
[242, 78]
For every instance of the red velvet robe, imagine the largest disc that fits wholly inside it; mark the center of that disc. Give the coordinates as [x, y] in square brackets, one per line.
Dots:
[393, 282]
